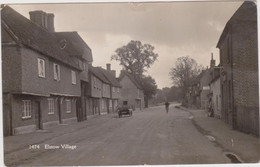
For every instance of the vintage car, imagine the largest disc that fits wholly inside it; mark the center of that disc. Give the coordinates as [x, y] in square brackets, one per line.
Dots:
[125, 110]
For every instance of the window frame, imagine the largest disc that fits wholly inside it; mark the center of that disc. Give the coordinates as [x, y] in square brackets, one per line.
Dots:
[26, 114]
[73, 77]
[56, 76]
[41, 69]
[51, 106]
[68, 105]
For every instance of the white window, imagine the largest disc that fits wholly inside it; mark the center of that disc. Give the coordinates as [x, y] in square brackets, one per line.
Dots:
[56, 71]
[27, 109]
[51, 106]
[73, 76]
[113, 89]
[118, 90]
[41, 68]
[68, 106]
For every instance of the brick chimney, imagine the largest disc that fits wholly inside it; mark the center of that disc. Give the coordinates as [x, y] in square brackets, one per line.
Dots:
[50, 22]
[108, 67]
[212, 61]
[45, 20]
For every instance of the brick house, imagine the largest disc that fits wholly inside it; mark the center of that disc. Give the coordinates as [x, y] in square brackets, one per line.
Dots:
[204, 89]
[77, 47]
[115, 88]
[131, 91]
[239, 77]
[40, 79]
[99, 92]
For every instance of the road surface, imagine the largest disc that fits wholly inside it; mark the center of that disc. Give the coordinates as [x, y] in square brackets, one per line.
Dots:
[149, 137]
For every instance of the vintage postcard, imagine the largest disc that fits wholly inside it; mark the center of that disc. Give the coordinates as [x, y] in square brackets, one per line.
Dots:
[136, 83]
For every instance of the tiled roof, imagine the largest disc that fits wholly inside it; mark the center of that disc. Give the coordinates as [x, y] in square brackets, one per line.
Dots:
[130, 76]
[113, 81]
[76, 46]
[35, 37]
[98, 73]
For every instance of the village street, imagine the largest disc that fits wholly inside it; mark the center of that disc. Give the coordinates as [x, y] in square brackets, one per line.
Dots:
[148, 137]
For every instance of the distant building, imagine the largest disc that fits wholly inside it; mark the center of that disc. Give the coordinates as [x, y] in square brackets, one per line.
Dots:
[41, 80]
[99, 92]
[131, 91]
[204, 89]
[215, 93]
[239, 76]
[105, 90]
[115, 88]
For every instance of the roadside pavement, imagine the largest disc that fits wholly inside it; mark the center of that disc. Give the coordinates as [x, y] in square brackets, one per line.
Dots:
[20, 142]
[245, 147]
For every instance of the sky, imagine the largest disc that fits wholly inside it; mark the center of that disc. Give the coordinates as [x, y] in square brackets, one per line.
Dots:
[175, 29]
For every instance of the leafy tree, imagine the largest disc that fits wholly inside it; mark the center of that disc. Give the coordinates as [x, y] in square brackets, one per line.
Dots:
[184, 72]
[136, 57]
[149, 87]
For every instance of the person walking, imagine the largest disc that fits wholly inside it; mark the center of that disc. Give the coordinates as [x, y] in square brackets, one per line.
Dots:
[167, 107]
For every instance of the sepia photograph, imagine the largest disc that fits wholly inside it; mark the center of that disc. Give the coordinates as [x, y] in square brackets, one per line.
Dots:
[130, 83]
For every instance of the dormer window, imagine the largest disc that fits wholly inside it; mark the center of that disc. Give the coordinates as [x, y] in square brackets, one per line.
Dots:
[63, 43]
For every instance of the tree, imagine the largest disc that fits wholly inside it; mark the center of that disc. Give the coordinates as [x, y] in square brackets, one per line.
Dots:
[135, 57]
[184, 73]
[149, 86]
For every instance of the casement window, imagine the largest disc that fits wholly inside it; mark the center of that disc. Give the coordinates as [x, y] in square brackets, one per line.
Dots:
[113, 89]
[56, 71]
[68, 106]
[27, 109]
[51, 106]
[73, 77]
[41, 68]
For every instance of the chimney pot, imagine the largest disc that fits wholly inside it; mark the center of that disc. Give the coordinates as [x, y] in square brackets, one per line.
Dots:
[108, 67]
[43, 19]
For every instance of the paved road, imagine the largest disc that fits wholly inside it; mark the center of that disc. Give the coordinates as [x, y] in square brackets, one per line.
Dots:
[148, 137]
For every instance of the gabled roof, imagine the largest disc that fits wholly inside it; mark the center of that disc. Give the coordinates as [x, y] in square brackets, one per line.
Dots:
[131, 77]
[104, 75]
[98, 73]
[113, 81]
[246, 12]
[35, 37]
[76, 46]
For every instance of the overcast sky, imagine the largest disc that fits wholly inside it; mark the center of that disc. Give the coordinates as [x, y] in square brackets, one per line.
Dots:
[175, 29]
